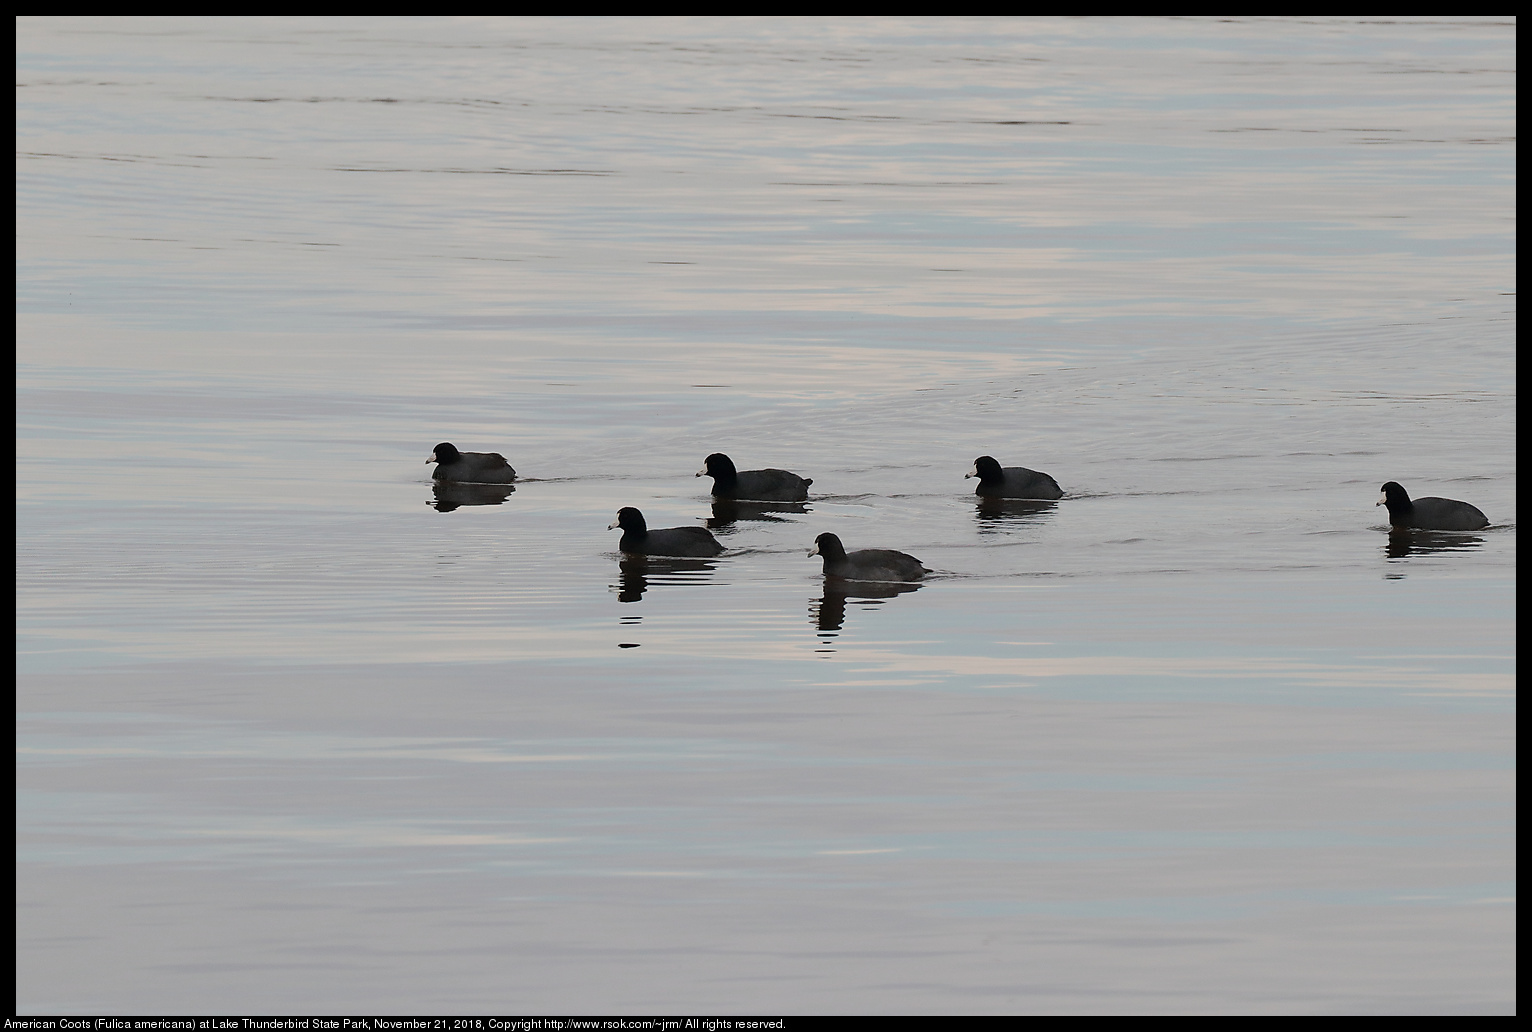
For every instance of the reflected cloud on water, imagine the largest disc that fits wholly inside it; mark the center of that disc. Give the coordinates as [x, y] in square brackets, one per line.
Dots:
[728, 510]
[995, 514]
[448, 496]
[638, 572]
[829, 611]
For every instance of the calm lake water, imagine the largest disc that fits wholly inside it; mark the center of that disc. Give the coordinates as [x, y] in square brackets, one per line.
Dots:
[298, 732]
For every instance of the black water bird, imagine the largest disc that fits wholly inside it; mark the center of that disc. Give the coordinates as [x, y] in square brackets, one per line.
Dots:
[871, 564]
[756, 485]
[470, 467]
[1012, 481]
[1429, 513]
[638, 539]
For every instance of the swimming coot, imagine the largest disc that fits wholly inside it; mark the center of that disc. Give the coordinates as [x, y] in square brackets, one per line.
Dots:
[873, 564]
[756, 485]
[470, 467]
[1012, 481]
[639, 539]
[1429, 513]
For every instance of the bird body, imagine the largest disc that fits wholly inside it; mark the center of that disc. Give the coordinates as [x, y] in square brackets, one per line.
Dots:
[756, 485]
[873, 564]
[638, 539]
[996, 481]
[470, 467]
[1429, 513]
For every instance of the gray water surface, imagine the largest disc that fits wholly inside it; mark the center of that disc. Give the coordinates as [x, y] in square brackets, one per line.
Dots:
[301, 732]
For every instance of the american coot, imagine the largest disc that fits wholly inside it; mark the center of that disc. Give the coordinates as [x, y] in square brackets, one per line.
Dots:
[873, 564]
[1429, 513]
[470, 467]
[639, 539]
[1012, 481]
[757, 485]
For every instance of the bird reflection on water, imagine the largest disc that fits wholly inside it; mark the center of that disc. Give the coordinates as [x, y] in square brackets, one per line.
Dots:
[996, 514]
[726, 511]
[1404, 543]
[448, 495]
[637, 571]
[829, 612]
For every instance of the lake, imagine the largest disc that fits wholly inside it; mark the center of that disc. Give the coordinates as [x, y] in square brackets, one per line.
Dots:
[301, 731]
